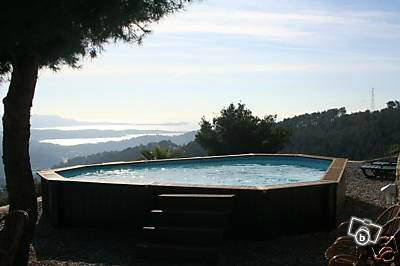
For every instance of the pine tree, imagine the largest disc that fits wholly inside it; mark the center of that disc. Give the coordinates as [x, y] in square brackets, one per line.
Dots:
[49, 34]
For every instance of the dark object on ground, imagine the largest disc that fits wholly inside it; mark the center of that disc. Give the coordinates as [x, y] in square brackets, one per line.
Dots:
[344, 250]
[387, 215]
[11, 234]
[380, 169]
[344, 244]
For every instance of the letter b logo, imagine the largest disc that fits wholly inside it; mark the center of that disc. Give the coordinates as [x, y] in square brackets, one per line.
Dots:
[362, 236]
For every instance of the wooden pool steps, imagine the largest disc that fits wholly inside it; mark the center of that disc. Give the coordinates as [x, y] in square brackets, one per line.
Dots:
[186, 226]
[210, 202]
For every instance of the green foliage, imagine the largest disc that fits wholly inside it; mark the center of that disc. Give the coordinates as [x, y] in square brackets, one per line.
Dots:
[236, 130]
[160, 153]
[393, 105]
[358, 136]
[62, 32]
[147, 154]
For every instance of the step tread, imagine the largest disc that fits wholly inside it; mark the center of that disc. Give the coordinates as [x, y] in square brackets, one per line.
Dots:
[200, 212]
[173, 228]
[224, 196]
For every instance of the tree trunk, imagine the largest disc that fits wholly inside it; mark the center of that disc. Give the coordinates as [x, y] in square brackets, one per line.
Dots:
[16, 134]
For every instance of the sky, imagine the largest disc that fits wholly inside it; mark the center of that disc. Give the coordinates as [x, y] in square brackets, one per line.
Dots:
[283, 57]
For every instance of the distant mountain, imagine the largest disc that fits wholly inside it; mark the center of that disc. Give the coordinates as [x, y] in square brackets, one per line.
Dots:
[163, 124]
[49, 121]
[43, 134]
[42, 121]
[46, 155]
[192, 149]
[142, 140]
[129, 154]
[358, 136]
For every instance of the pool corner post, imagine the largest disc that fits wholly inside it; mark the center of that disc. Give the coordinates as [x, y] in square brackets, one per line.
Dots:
[51, 202]
[333, 202]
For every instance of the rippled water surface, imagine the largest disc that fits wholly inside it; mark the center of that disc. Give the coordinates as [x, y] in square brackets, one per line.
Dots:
[242, 171]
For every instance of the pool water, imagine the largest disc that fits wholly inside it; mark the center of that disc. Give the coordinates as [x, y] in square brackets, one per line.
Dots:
[236, 171]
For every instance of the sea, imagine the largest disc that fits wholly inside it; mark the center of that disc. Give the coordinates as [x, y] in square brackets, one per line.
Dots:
[172, 129]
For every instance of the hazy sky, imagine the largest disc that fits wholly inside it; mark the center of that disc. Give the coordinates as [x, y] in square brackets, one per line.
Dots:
[279, 57]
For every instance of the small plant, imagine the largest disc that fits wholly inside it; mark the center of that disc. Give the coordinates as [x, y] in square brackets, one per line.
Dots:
[160, 153]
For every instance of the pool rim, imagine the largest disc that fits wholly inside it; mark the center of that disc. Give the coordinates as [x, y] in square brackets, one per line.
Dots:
[333, 174]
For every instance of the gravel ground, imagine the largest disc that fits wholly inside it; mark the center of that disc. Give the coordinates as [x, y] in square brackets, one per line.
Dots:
[94, 247]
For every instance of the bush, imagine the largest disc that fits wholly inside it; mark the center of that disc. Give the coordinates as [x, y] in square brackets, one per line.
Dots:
[237, 131]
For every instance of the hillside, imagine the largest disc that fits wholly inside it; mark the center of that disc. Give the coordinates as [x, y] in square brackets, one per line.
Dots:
[46, 155]
[192, 149]
[358, 136]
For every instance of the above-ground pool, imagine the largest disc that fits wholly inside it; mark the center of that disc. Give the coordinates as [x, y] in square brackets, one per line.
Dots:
[272, 194]
[231, 171]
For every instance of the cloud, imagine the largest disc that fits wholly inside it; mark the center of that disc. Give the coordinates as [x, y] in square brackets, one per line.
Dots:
[327, 32]
[181, 70]
[284, 26]
[272, 32]
[364, 66]
[229, 23]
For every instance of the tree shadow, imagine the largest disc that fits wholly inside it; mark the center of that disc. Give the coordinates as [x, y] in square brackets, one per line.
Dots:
[90, 245]
[99, 246]
[362, 209]
[306, 249]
